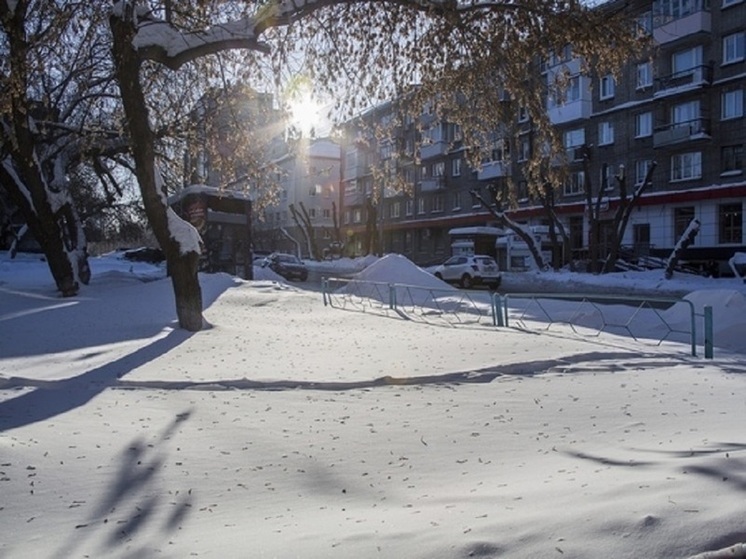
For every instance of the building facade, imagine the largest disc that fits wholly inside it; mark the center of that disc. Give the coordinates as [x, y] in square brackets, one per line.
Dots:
[308, 176]
[680, 105]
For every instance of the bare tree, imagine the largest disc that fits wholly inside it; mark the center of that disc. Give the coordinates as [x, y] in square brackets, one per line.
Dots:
[687, 238]
[303, 221]
[458, 57]
[624, 208]
[503, 220]
[54, 116]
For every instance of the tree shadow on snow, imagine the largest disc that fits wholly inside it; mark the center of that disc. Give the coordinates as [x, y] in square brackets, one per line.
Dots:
[132, 503]
[48, 399]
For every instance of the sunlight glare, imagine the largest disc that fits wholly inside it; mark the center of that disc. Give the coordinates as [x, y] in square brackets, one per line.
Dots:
[305, 113]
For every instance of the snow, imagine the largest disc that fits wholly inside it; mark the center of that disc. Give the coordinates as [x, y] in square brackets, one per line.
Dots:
[294, 429]
[183, 233]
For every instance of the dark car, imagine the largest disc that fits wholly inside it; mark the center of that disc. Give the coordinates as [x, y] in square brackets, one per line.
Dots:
[288, 266]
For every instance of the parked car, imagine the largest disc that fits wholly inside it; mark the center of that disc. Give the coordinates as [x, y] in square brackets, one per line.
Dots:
[288, 266]
[259, 256]
[468, 271]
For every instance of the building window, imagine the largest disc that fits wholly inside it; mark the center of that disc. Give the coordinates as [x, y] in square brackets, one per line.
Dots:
[525, 149]
[727, 3]
[605, 133]
[439, 169]
[643, 125]
[682, 217]
[456, 167]
[731, 223]
[645, 22]
[437, 203]
[641, 238]
[686, 166]
[732, 104]
[606, 90]
[395, 209]
[644, 75]
[685, 114]
[500, 151]
[326, 213]
[685, 61]
[420, 205]
[522, 114]
[522, 191]
[732, 159]
[607, 177]
[641, 170]
[734, 47]
[456, 201]
[668, 10]
[575, 183]
[348, 216]
[357, 215]
[574, 139]
[409, 207]
[569, 95]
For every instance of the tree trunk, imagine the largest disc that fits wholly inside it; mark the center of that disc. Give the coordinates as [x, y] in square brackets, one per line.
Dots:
[504, 221]
[182, 259]
[187, 291]
[371, 228]
[621, 219]
[686, 239]
[42, 198]
[594, 210]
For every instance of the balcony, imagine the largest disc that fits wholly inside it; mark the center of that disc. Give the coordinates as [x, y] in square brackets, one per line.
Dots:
[357, 170]
[354, 198]
[696, 76]
[434, 149]
[679, 132]
[492, 170]
[573, 110]
[432, 184]
[667, 28]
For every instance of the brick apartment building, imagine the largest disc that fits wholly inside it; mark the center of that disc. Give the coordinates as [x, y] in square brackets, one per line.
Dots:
[681, 105]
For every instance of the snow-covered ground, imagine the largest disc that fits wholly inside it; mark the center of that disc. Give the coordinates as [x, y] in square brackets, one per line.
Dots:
[293, 429]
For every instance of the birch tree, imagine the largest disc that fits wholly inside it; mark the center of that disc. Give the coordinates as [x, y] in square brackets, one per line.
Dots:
[459, 57]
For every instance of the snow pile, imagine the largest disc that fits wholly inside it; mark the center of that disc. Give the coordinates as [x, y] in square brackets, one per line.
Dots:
[396, 268]
[414, 286]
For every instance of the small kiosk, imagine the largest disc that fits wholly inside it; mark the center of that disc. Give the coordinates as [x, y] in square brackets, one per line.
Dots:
[223, 219]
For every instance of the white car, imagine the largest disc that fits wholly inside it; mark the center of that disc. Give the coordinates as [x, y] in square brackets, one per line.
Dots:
[468, 271]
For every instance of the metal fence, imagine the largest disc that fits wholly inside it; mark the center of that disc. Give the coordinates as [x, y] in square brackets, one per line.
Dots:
[647, 319]
[446, 305]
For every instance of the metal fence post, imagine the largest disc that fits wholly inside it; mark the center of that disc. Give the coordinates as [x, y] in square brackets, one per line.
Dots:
[392, 296]
[497, 309]
[323, 289]
[505, 308]
[708, 333]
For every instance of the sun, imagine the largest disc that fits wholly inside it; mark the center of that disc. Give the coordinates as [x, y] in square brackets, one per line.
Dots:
[305, 113]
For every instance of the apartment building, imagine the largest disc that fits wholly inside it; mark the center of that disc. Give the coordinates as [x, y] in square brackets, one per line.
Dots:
[680, 105]
[308, 176]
